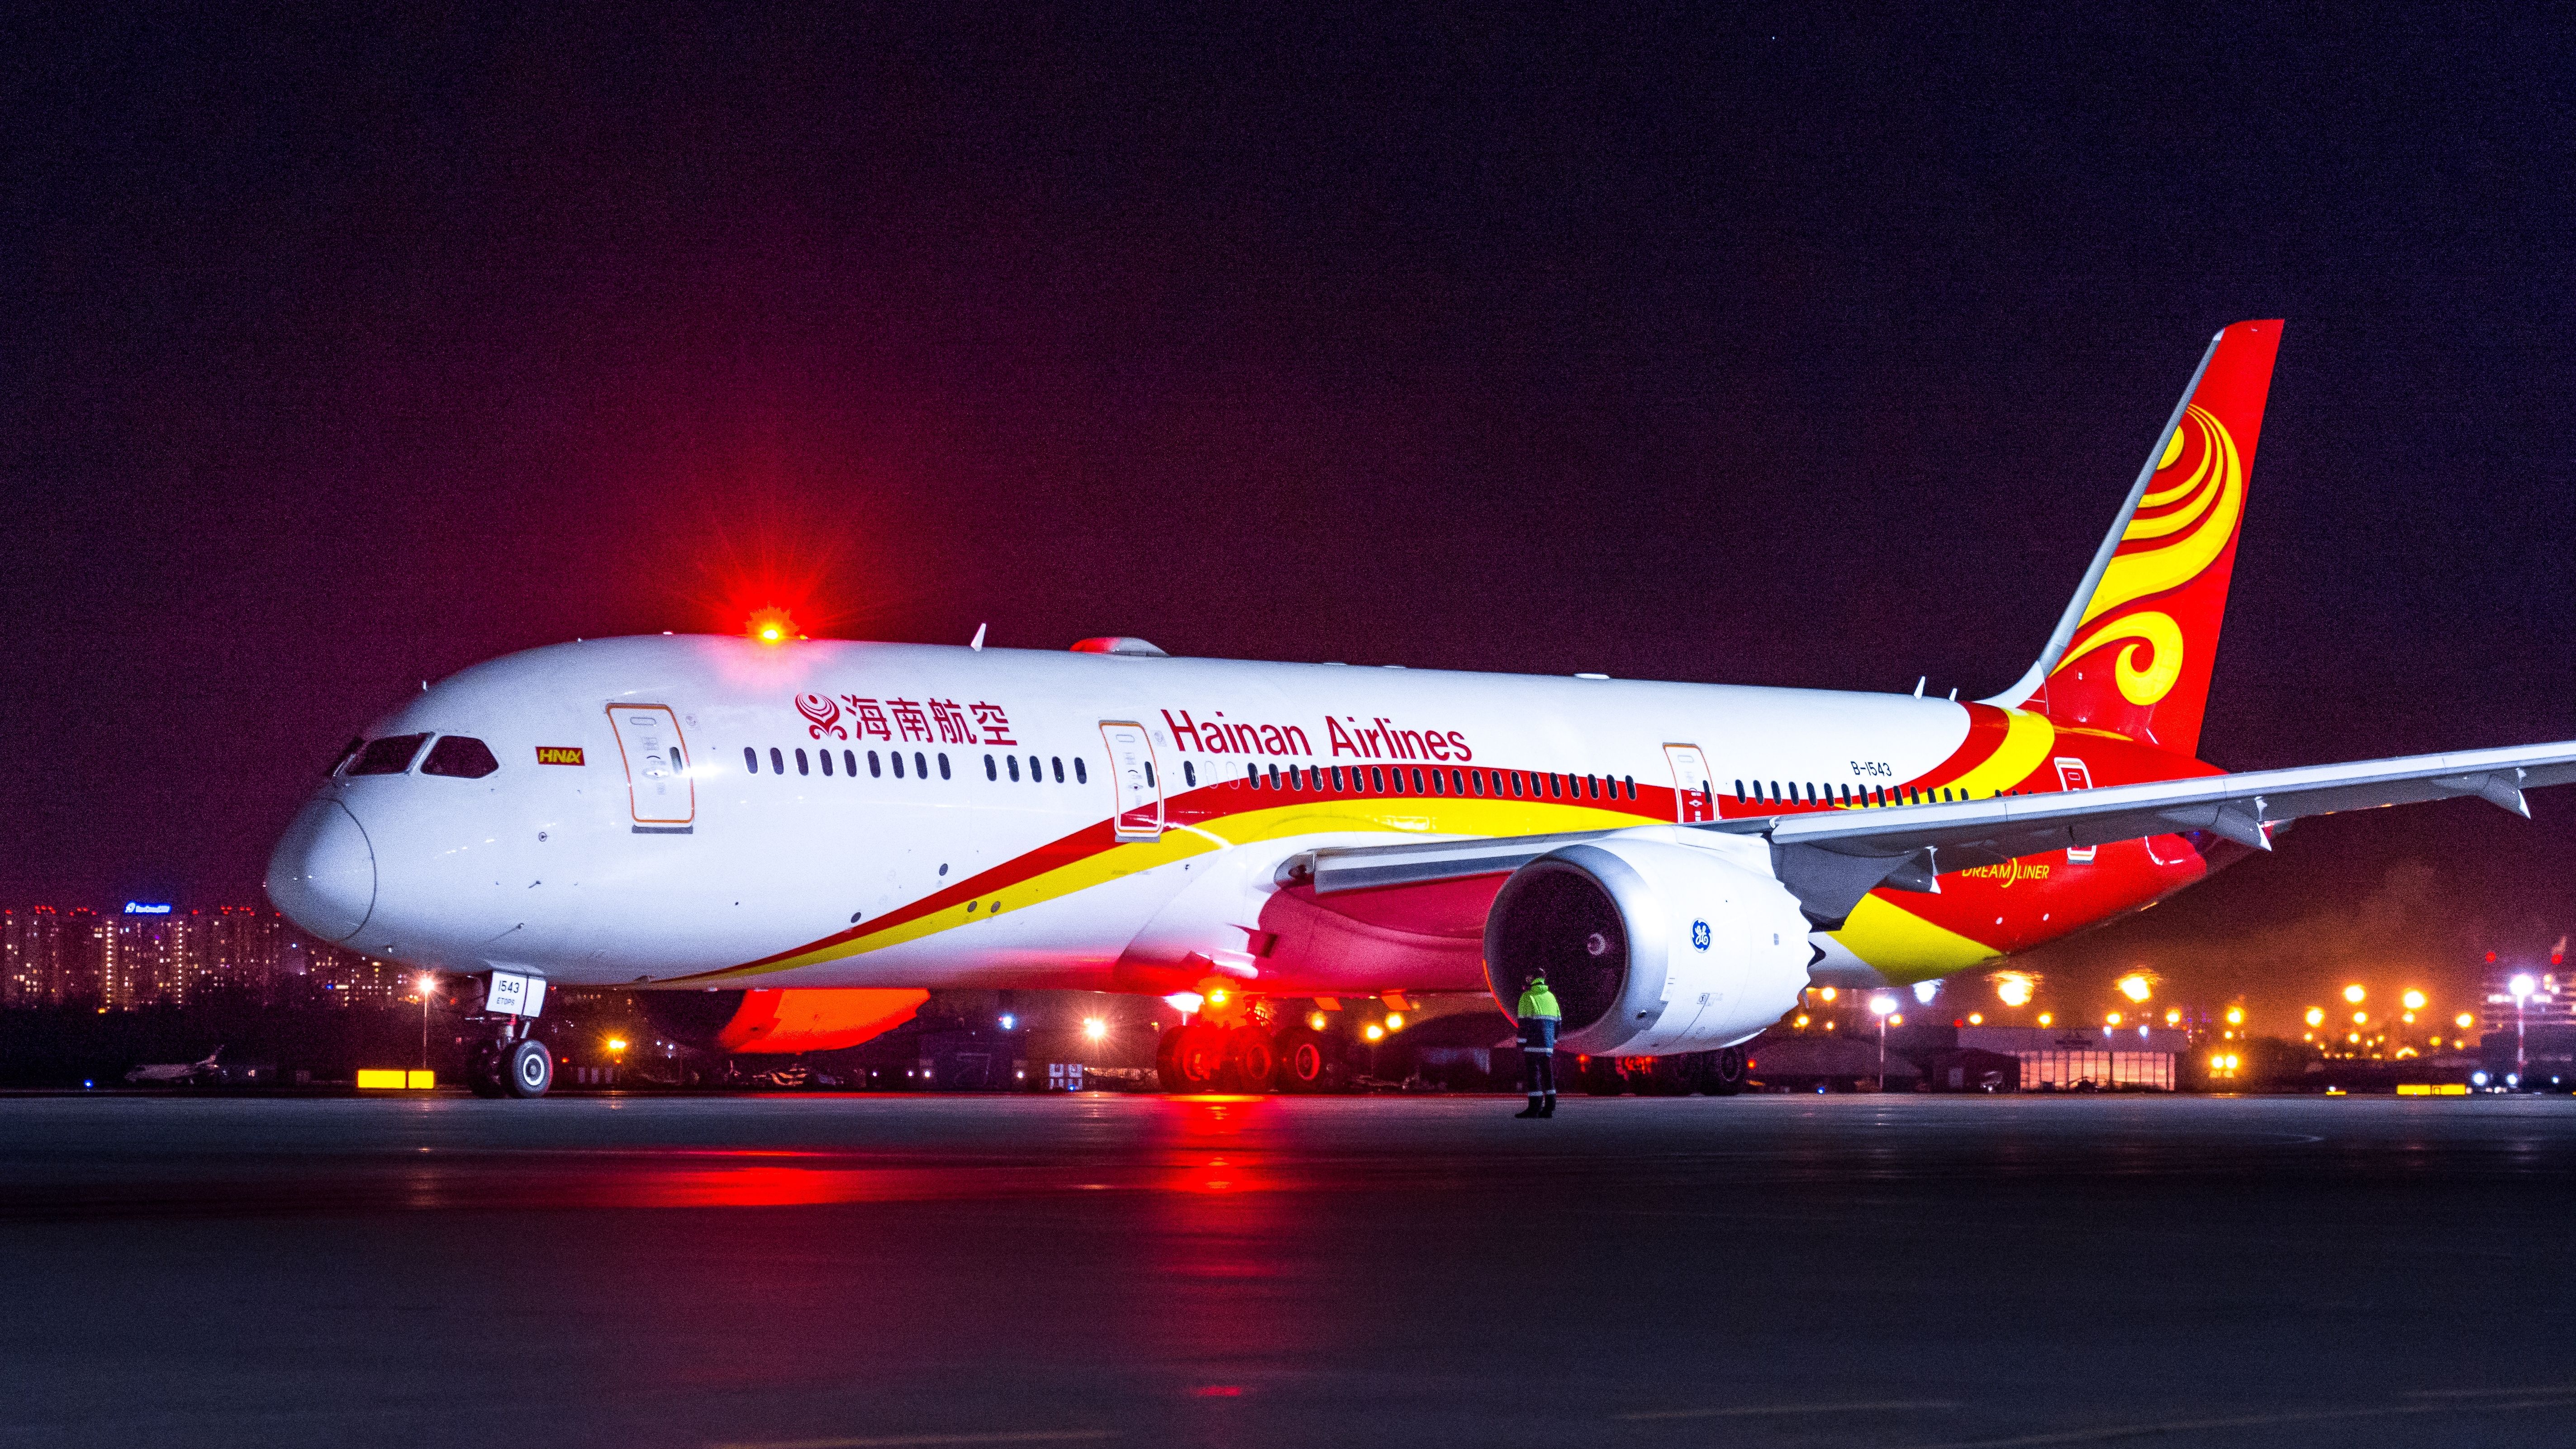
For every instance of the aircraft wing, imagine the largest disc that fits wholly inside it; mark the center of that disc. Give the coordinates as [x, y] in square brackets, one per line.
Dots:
[1830, 859]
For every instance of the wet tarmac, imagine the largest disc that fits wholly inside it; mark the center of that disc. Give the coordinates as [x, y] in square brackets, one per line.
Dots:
[1779, 1271]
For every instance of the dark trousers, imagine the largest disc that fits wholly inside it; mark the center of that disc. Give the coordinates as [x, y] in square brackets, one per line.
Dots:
[1538, 1069]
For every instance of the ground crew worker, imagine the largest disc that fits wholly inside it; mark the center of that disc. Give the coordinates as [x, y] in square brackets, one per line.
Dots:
[1538, 1017]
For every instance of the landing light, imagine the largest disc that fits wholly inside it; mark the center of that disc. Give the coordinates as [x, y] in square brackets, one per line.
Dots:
[1094, 1028]
[1395, 1021]
[1373, 1031]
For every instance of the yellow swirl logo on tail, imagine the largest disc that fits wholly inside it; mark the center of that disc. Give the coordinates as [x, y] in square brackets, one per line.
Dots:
[2211, 499]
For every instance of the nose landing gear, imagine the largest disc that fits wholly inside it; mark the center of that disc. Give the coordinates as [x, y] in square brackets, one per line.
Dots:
[512, 1062]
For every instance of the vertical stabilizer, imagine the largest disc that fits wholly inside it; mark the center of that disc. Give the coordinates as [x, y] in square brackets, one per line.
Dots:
[2132, 653]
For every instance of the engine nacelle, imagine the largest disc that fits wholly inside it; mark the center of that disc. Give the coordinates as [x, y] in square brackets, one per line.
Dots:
[1652, 945]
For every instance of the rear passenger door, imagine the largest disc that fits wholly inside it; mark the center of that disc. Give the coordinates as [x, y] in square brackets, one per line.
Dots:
[658, 790]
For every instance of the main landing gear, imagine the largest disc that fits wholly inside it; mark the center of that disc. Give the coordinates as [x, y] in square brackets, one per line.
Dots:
[1204, 1056]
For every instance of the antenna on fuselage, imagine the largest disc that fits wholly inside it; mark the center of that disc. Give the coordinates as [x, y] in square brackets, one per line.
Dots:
[977, 643]
[1919, 682]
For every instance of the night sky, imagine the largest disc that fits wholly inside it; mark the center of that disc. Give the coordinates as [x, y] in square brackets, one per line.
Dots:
[1810, 348]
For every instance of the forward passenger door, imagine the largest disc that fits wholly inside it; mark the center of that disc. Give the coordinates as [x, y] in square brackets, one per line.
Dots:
[1138, 786]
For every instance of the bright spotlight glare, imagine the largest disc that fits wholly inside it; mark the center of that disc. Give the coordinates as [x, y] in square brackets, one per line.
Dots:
[2135, 986]
[1094, 1028]
[1882, 1004]
[2354, 993]
[1924, 991]
[2414, 1000]
[2523, 986]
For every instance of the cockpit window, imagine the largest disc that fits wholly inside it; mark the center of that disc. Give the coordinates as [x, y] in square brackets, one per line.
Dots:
[388, 756]
[460, 755]
[355, 744]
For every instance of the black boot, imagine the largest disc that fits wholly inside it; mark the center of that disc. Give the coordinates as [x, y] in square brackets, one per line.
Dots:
[1549, 1109]
[1532, 1110]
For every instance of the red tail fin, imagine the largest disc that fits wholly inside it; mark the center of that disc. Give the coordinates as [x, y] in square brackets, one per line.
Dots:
[2133, 652]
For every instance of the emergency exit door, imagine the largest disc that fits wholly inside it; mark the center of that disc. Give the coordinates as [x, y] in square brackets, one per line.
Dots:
[1139, 787]
[1694, 799]
[658, 791]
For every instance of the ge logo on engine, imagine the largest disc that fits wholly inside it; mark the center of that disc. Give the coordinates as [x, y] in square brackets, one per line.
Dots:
[1699, 934]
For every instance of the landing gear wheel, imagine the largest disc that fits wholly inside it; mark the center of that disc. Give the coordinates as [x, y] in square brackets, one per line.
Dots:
[1600, 1077]
[1251, 1058]
[1673, 1076]
[1726, 1072]
[1190, 1057]
[529, 1070]
[483, 1070]
[1302, 1061]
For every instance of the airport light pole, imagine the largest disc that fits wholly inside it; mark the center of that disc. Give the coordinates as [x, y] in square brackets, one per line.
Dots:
[426, 984]
[2522, 986]
[1879, 1006]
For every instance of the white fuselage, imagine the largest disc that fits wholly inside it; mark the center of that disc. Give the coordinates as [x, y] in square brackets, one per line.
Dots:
[712, 865]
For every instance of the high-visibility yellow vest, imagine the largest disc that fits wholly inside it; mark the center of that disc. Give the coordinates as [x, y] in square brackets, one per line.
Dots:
[1539, 1001]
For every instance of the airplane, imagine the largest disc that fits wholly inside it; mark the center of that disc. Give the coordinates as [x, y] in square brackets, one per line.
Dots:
[774, 813]
[176, 1074]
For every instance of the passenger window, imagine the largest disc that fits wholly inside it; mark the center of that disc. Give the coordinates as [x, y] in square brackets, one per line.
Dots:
[1081, 776]
[1515, 778]
[1417, 781]
[1015, 769]
[849, 764]
[873, 772]
[388, 756]
[800, 763]
[1056, 763]
[1436, 787]
[1475, 778]
[943, 764]
[1592, 786]
[1036, 771]
[1377, 781]
[1252, 773]
[464, 757]
[1149, 775]
[1632, 785]
[1739, 792]
[991, 770]
[897, 757]
[777, 761]
[750, 760]
[920, 766]
[1456, 787]
[1274, 777]
[1190, 773]
[1337, 777]
[824, 757]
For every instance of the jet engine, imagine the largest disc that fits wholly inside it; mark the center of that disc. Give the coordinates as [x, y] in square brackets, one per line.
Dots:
[1652, 945]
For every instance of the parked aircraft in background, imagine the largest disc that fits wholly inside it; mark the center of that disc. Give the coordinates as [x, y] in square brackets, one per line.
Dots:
[719, 813]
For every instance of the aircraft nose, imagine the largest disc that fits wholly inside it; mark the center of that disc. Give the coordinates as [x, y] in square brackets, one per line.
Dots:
[323, 874]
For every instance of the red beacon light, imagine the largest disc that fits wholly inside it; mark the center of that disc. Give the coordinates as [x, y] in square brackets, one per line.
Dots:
[771, 627]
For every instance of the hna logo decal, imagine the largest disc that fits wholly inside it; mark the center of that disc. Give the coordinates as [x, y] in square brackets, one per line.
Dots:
[1699, 934]
[558, 754]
